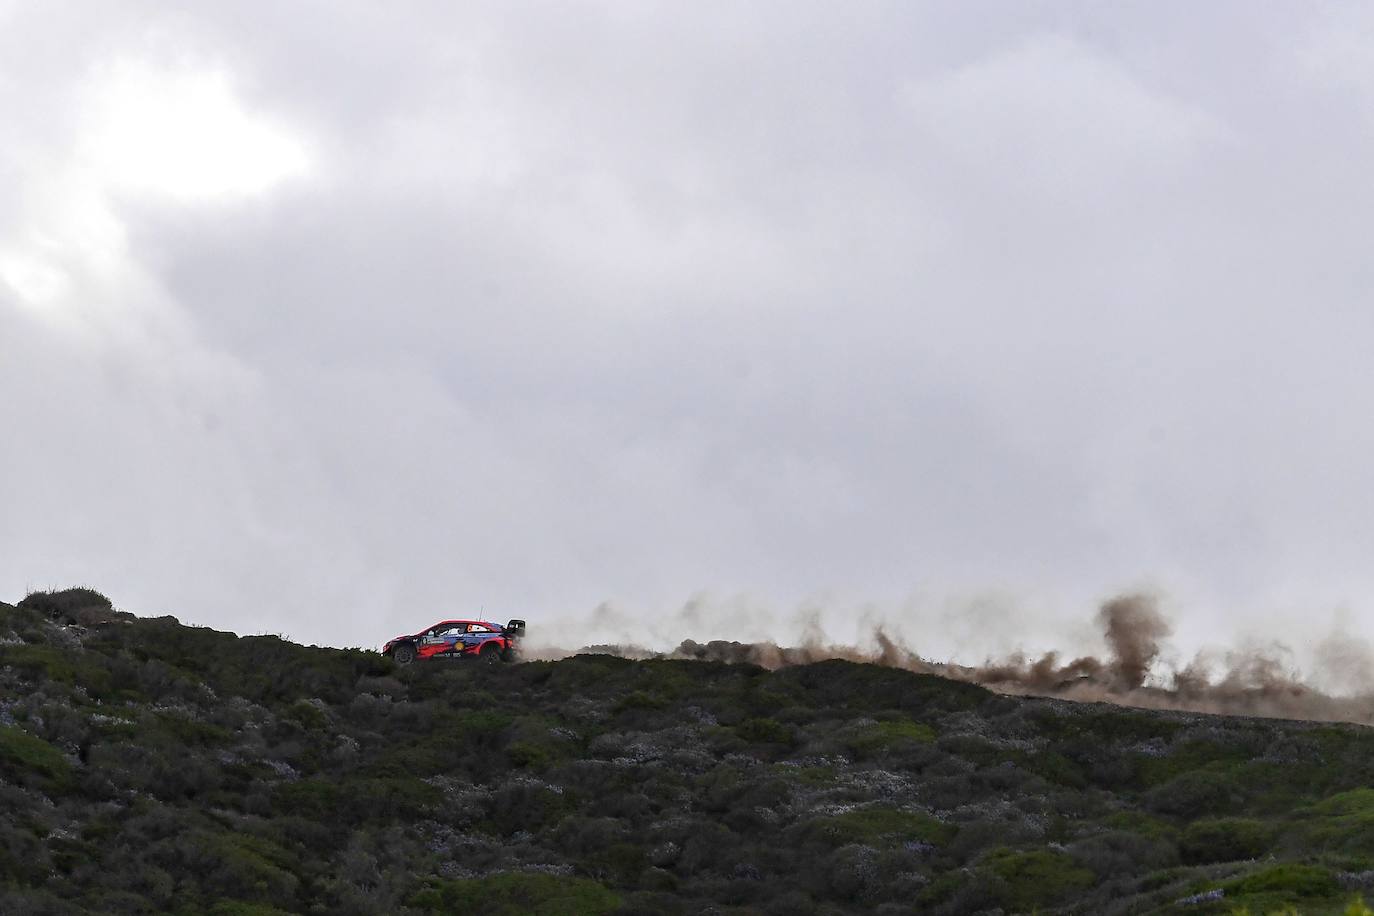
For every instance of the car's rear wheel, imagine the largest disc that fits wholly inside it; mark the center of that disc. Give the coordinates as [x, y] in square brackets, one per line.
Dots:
[403, 654]
[490, 656]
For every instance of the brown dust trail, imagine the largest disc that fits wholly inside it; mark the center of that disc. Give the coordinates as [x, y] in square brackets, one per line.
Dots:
[1250, 683]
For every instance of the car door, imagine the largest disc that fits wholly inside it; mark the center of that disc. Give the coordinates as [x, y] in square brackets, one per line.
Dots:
[441, 640]
[465, 640]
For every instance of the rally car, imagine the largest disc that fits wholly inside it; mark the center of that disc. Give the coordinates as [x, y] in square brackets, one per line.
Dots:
[479, 639]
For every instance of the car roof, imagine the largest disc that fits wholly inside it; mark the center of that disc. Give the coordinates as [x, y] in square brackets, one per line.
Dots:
[485, 623]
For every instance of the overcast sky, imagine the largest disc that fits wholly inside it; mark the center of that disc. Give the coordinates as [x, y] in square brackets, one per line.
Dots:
[331, 319]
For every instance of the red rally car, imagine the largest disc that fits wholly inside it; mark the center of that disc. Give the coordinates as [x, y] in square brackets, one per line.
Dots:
[480, 639]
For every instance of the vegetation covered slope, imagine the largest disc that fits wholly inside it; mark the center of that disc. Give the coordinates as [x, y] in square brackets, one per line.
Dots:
[147, 766]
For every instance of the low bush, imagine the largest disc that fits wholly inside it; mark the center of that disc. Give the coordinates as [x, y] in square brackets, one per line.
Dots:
[1118, 853]
[517, 895]
[31, 760]
[1342, 823]
[1139, 822]
[1289, 880]
[1224, 840]
[239, 867]
[240, 908]
[531, 755]
[316, 799]
[880, 737]
[641, 699]
[765, 731]
[68, 605]
[619, 864]
[23, 858]
[521, 806]
[878, 825]
[1056, 768]
[1194, 793]
[1037, 878]
[57, 665]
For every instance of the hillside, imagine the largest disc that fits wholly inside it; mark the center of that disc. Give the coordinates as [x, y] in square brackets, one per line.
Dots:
[147, 766]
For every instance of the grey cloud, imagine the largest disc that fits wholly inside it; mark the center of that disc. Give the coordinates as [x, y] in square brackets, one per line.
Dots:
[625, 302]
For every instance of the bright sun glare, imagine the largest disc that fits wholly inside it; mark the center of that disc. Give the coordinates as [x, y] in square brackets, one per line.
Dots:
[185, 133]
[146, 131]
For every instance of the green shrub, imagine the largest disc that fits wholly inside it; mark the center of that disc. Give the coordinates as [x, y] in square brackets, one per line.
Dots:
[40, 662]
[1224, 840]
[1141, 823]
[23, 860]
[183, 730]
[239, 908]
[584, 672]
[1056, 768]
[530, 755]
[1037, 878]
[517, 894]
[26, 759]
[307, 714]
[809, 775]
[527, 807]
[1291, 880]
[974, 748]
[1341, 823]
[619, 863]
[317, 799]
[1194, 793]
[1228, 756]
[482, 724]
[640, 699]
[401, 797]
[1109, 725]
[873, 825]
[1116, 853]
[240, 867]
[881, 736]
[65, 604]
[69, 853]
[765, 731]
[843, 684]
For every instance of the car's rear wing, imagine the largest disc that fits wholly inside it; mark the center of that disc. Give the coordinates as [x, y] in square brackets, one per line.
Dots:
[515, 628]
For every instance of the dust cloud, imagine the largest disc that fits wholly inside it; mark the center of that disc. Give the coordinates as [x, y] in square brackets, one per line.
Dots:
[1131, 672]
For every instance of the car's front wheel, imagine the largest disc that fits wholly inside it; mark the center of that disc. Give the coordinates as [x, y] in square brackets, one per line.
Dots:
[403, 654]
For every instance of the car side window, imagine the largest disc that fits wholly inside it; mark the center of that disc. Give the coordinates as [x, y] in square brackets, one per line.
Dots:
[477, 628]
